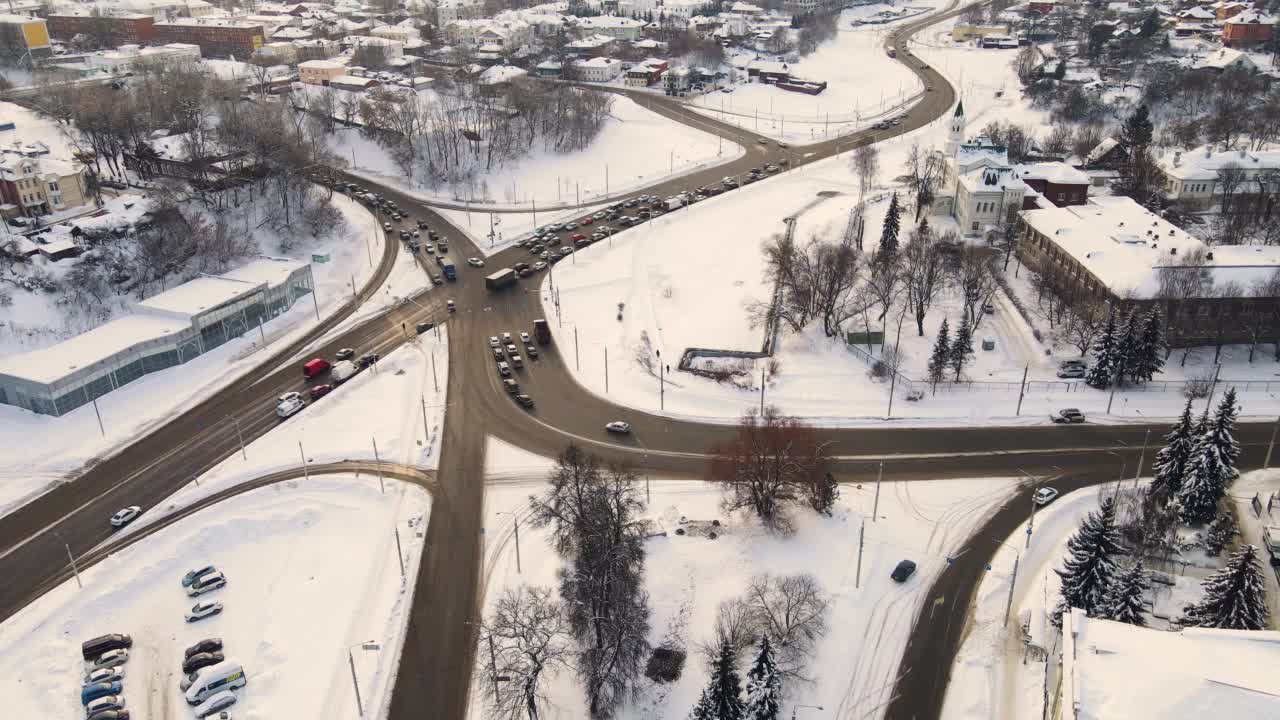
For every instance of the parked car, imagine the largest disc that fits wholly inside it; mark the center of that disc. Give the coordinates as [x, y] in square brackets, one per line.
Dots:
[1068, 415]
[618, 426]
[493, 342]
[195, 575]
[124, 516]
[112, 658]
[367, 359]
[208, 645]
[451, 306]
[1044, 496]
[1075, 362]
[1072, 371]
[207, 583]
[904, 570]
[104, 675]
[93, 691]
[103, 704]
[215, 703]
[91, 649]
[193, 663]
[202, 610]
[121, 714]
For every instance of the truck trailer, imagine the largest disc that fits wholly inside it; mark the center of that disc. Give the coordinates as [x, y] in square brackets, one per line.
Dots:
[505, 277]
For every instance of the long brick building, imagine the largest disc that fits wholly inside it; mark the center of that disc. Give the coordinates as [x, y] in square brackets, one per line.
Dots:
[113, 30]
[216, 37]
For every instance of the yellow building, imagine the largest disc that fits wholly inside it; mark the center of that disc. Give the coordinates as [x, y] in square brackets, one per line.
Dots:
[21, 35]
[965, 33]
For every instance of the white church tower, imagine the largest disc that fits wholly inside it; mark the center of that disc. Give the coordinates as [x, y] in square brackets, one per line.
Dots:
[956, 136]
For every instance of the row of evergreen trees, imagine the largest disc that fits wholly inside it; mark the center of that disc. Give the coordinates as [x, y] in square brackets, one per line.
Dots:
[950, 353]
[1132, 351]
[723, 699]
[1192, 472]
[1197, 463]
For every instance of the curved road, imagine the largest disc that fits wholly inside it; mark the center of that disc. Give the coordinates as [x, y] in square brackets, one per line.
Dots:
[437, 659]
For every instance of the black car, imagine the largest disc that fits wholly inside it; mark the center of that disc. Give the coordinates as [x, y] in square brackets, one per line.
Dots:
[367, 360]
[524, 400]
[425, 327]
[208, 645]
[422, 225]
[904, 570]
[201, 660]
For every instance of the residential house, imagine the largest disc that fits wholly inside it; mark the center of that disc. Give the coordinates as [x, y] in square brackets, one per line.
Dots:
[448, 11]
[1107, 155]
[618, 28]
[1247, 28]
[598, 69]
[1230, 9]
[590, 46]
[1057, 182]
[41, 185]
[351, 83]
[320, 72]
[646, 72]
[1225, 59]
[548, 69]
[1194, 177]
[129, 58]
[316, 49]
[677, 81]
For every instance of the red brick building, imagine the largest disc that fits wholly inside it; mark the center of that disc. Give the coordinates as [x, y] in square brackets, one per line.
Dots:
[1057, 182]
[113, 30]
[1247, 28]
[216, 37]
[1044, 7]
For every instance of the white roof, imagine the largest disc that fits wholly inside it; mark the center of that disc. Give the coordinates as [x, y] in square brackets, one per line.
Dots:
[1124, 245]
[1203, 163]
[321, 65]
[1250, 17]
[202, 293]
[1225, 58]
[1058, 173]
[590, 41]
[599, 62]
[609, 21]
[270, 270]
[500, 74]
[1102, 149]
[54, 362]
[1124, 671]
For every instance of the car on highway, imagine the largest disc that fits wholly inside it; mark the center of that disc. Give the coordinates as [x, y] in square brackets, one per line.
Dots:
[104, 675]
[207, 645]
[524, 338]
[531, 351]
[451, 306]
[618, 426]
[195, 575]
[586, 221]
[124, 516]
[1044, 496]
[570, 226]
[319, 391]
[290, 407]
[1073, 371]
[202, 610]
[540, 266]
[215, 703]
[524, 401]
[517, 362]
[1067, 416]
[112, 658]
[367, 359]
[512, 387]
[475, 262]
[504, 369]
[293, 395]
[207, 583]
[194, 662]
[904, 570]
[315, 366]
[493, 342]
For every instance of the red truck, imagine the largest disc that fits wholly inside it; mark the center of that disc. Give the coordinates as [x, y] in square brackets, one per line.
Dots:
[314, 367]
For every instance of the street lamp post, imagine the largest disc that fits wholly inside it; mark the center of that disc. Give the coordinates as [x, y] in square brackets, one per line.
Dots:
[354, 683]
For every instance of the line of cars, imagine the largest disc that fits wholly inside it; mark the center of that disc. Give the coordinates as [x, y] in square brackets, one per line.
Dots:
[208, 678]
[102, 694]
[343, 368]
[507, 355]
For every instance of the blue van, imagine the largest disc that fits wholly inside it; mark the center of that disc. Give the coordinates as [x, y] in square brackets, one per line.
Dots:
[93, 691]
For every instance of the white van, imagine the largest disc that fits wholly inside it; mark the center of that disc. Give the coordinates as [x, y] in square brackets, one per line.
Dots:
[215, 679]
[342, 371]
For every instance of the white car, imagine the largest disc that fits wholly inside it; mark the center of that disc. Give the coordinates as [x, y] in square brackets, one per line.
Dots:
[1045, 495]
[106, 674]
[475, 262]
[617, 426]
[103, 704]
[290, 407]
[295, 395]
[202, 610]
[207, 583]
[493, 342]
[125, 516]
[215, 703]
[524, 338]
[112, 658]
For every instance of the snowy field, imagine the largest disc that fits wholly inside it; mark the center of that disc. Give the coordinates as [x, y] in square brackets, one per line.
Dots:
[636, 147]
[312, 569]
[39, 453]
[863, 83]
[659, 270]
[688, 576]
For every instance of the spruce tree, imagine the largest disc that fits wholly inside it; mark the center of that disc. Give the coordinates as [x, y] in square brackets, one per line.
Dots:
[889, 232]
[724, 695]
[1212, 465]
[941, 353]
[824, 493]
[961, 348]
[1171, 462]
[764, 686]
[1220, 534]
[1233, 596]
[1150, 355]
[1124, 600]
[1090, 563]
[1128, 336]
[1103, 370]
[702, 710]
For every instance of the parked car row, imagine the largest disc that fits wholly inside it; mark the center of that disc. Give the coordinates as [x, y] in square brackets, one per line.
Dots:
[102, 693]
[208, 678]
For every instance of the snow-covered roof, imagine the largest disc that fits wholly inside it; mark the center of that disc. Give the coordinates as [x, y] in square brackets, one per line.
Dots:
[981, 152]
[1101, 150]
[1197, 13]
[1250, 17]
[991, 179]
[500, 74]
[1203, 163]
[609, 21]
[270, 270]
[603, 62]
[321, 65]
[1116, 670]
[591, 41]
[198, 295]
[1125, 245]
[56, 361]
[1058, 173]
[1225, 58]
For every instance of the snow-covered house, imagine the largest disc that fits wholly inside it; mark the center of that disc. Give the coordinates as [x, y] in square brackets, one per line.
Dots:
[619, 28]
[979, 188]
[599, 69]
[1116, 670]
[589, 46]
[1194, 176]
[1225, 59]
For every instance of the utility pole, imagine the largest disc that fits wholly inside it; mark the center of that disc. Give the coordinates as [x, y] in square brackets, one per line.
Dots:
[493, 665]
[101, 429]
[516, 519]
[1142, 457]
[435, 382]
[382, 488]
[1213, 388]
[239, 436]
[1022, 391]
[425, 428]
[399, 551]
[74, 570]
[1008, 603]
[893, 383]
[762, 391]
[315, 303]
[857, 576]
[606, 369]
[875, 506]
[576, 366]
[355, 684]
[1031, 524]
[306, 475]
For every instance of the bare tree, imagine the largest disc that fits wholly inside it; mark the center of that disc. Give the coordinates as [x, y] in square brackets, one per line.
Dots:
[866, 165]
[735, 626]
[924, 173]
[772, 461]
[529, 637]
[1084, 322]
[792, 611]
[974, 274]
[924, 273]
